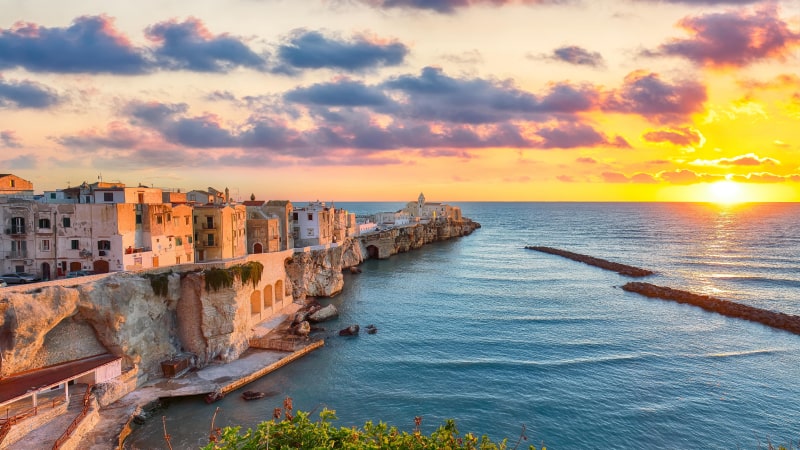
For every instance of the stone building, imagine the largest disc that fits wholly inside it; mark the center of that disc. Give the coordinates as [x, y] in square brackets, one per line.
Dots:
[12, 185]
[422, 210]
[219, 232]
[313, 225]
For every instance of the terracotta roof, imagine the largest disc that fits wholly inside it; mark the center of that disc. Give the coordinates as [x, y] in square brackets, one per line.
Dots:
[253, 202]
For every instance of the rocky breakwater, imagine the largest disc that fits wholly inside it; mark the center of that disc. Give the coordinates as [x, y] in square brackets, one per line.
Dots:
[390, 242]
[622, 269]
[773, 319]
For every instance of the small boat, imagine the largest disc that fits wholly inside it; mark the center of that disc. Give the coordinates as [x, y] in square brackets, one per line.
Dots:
[253, 395]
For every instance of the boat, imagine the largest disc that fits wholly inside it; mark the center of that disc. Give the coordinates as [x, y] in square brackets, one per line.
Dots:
[253, 395]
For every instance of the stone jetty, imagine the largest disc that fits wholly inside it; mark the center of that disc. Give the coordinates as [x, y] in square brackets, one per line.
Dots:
[622, 269]
[728, 308]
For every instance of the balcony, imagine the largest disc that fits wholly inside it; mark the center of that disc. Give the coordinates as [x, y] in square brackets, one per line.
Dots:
[16, 230]
[18, 254]
[209, 226]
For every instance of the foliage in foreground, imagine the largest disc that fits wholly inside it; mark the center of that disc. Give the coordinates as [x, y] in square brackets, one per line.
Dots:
[298, 431]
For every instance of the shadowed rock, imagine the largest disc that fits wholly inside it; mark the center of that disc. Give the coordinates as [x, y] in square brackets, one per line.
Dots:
[352, 330]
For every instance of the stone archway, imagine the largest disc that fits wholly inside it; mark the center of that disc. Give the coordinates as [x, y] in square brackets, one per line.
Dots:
[255, 302]
[268, 296]
[279, 291]
[373, 252]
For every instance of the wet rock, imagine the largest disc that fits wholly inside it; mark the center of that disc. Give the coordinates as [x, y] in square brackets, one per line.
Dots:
[302, 329]
[371, 329]
[352, 330]
[326, 313]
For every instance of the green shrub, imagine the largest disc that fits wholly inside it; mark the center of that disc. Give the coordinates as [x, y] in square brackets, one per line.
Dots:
[298, 431]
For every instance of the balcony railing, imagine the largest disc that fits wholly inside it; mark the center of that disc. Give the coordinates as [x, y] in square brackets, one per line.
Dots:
[18, 254]
[209, 226]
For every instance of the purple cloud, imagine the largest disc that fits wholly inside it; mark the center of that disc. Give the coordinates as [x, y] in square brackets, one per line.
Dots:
[646, 94]
[91, 44]
[683, 136]
[8, 139]
[312, 50]
[188, 45]
[449, 6]
[733, 38]
[26, 94]
[339, 93]
[578, 56]
[572, 135]
[116, 136]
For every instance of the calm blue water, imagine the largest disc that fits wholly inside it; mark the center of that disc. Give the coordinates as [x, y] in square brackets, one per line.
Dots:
[481, 330]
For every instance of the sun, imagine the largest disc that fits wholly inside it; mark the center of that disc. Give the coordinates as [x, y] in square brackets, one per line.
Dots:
[725, 192]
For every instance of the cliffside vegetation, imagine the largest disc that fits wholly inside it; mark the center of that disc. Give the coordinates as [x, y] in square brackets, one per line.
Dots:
[159, 282]
[298, 431]
[217, 278]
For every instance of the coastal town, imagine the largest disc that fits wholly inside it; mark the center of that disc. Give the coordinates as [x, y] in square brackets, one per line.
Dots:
[110, 288]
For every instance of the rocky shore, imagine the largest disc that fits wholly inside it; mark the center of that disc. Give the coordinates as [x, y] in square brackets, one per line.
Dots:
[725, 307]
[124, 314]
[622, 269]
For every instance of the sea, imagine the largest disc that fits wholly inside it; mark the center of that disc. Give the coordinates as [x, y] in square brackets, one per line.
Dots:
[525, 346]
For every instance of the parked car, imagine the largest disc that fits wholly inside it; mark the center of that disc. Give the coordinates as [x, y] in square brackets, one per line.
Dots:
[79, 273]
[19, 278]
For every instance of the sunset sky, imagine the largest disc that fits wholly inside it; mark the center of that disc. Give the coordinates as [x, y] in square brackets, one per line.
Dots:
[359, 100]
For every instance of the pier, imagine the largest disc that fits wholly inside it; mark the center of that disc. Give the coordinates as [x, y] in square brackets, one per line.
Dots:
[622, 269]
[728, 308]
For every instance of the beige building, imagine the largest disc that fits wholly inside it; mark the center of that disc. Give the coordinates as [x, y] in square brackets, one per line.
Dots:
[425, 211]
[220, 232]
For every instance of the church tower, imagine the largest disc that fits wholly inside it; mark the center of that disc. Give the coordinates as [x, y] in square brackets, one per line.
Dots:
[420, 203]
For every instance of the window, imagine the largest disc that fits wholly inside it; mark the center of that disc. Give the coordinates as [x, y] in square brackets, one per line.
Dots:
[138, 219]
[187, 220]
[17, 225]
[108, 196]
[66, 222]
[169, 217]
[310, 216]
[104, 245]
[210, 240]
[189, 239]
[45, 246]
[44, 223]
[159, 219]
[178, 241]
[13, 182]
[52, 195]
[294, 216]
[74, 244]
[177, 260]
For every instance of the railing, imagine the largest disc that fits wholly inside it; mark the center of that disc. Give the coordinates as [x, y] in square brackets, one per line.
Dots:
[19, 254]
[209, 226]
[87, 401]
[8, 422]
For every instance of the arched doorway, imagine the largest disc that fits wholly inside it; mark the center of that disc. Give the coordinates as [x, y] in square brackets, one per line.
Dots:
[258, 248]
[268, 296]
[255, 302]
[279, 291]
[373, 252]
[46, 275]
[75, 266]
[100, 266]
